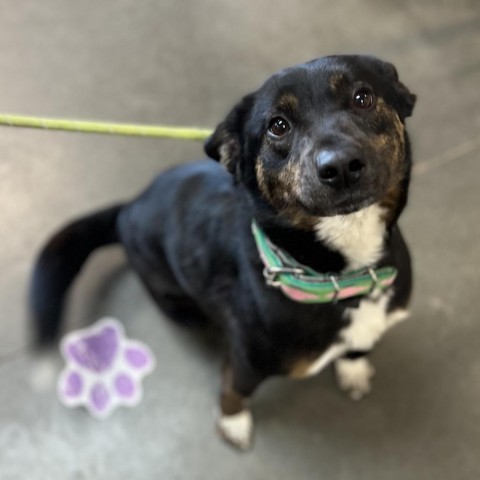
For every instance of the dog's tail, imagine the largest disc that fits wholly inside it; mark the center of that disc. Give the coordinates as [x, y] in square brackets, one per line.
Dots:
[59, 263]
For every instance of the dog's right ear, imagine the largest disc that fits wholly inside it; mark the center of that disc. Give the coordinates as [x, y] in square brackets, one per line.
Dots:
[226, 143]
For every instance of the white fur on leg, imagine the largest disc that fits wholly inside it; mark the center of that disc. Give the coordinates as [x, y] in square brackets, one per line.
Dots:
[397, 316]
[237, 429]
[353, 376]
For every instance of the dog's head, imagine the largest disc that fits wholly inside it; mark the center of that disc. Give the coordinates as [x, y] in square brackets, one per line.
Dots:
[322, 138]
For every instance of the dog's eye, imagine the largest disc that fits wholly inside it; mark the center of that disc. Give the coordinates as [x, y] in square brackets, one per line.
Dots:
[278, 126]
[363, 99]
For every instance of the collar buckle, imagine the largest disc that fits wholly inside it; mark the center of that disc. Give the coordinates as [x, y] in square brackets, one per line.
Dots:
[271, 273]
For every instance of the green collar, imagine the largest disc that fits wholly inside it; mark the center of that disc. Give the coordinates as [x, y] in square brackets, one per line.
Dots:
[302, 284]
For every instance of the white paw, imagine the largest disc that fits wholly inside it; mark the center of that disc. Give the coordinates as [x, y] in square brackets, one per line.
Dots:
[237, 429]
[353, 376]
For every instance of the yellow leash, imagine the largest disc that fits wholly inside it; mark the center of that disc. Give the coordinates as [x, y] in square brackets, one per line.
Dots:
[158, 131]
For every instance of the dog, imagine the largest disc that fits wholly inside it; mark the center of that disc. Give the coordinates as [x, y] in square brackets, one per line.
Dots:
[286, 237]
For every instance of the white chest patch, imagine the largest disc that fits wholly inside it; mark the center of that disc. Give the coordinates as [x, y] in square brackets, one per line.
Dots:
[358, 236]
[369, 322]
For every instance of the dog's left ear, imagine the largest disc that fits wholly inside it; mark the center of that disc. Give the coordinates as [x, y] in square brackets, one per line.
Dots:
[404, 100]
[226, 143]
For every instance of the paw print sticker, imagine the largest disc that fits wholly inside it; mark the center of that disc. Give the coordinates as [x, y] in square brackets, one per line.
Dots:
[104, 369]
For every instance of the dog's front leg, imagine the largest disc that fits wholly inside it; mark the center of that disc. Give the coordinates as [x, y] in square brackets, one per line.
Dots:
[354, 373]
[235, 423]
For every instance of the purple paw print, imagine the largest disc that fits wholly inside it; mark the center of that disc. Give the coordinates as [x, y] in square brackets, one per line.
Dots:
[103, 368]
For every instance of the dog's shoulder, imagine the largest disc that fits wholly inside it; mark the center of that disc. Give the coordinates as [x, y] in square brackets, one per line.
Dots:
[201, 177]
[196, 207]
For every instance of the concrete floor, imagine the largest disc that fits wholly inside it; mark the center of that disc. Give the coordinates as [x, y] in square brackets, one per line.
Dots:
[186, 62]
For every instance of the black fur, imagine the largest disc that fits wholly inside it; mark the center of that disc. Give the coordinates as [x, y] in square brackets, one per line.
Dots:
[189, 235]
[59, 263]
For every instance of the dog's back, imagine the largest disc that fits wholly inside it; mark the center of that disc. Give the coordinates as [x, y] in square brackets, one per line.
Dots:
[173, 233]
[182, 236]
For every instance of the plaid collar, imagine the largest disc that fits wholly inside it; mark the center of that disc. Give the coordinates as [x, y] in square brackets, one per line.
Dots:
[302, 284]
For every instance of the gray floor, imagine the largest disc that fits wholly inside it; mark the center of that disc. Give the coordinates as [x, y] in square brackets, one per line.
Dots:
[186, 62]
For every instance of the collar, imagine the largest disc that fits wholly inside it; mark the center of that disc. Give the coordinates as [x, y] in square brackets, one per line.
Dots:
[303, 284]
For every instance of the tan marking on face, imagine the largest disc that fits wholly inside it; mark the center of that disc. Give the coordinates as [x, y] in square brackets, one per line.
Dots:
[392, 147]
[390, 144]
[282, 192]
[336, 80]
[261, 180]
[278, 188]
[283, 189]
[288, 102]
[228, 151]
[287, 179]
[390, 202]
[388, 114]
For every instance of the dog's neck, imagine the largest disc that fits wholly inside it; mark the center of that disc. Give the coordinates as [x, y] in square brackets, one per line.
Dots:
[359, 236]
[336, 244]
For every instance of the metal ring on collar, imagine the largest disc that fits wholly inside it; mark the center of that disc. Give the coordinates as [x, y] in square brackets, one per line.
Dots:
[376, 281]
[337, 288]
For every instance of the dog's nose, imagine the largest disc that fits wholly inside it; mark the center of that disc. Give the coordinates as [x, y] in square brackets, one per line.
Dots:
[339, 169]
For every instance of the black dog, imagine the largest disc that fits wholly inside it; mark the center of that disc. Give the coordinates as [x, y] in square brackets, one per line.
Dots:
[290, 243]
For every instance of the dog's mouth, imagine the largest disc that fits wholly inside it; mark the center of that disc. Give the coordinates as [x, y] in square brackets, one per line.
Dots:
[346, 204]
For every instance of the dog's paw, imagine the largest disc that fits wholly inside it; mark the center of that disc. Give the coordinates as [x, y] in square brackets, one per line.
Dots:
[237, 429]
[354, 376]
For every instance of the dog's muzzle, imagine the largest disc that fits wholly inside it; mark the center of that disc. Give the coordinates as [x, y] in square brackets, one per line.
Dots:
[340, 169]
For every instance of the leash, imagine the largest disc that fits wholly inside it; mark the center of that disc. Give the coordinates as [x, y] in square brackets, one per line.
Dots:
[157, 131]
